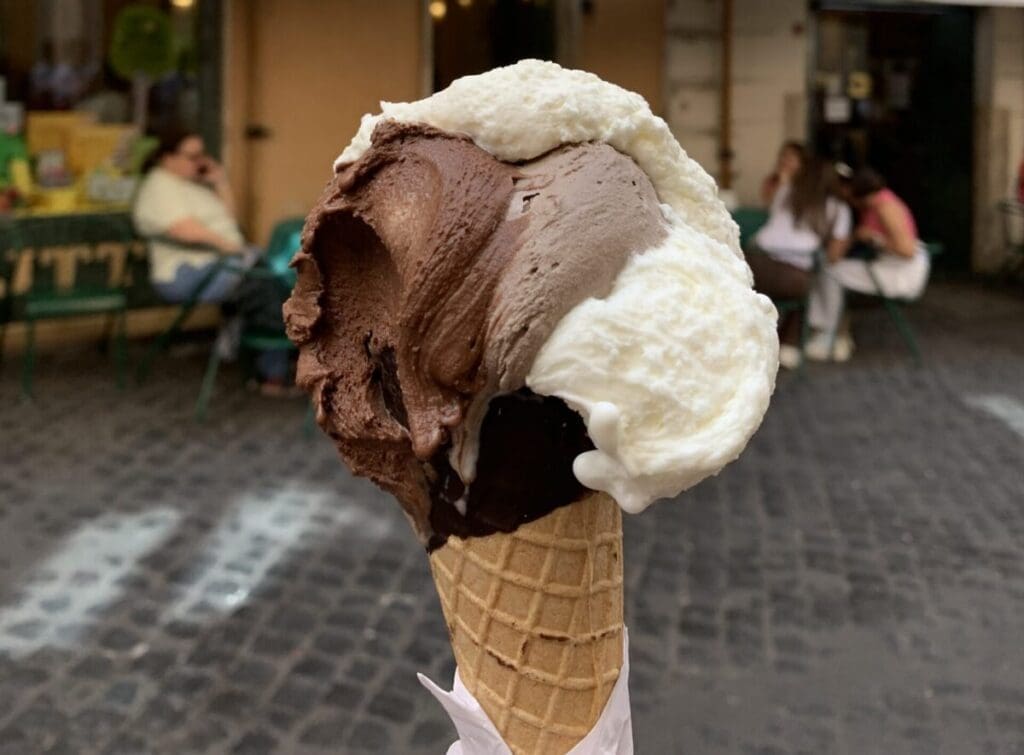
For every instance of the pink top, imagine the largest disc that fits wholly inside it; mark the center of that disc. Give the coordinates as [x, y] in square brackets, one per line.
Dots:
[871, 220]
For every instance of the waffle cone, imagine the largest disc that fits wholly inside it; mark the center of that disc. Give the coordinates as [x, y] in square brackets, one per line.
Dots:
[535, 621]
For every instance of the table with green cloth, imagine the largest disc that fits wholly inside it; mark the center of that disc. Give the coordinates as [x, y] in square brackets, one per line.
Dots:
[91, 249]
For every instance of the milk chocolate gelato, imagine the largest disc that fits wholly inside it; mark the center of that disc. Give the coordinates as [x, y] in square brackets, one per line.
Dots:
[431, 273]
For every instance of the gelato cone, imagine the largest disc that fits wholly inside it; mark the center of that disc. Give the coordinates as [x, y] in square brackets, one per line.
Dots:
[521, 309]
[535, 620]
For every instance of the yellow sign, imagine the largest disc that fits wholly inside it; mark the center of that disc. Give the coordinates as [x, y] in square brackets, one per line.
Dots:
[858, 87]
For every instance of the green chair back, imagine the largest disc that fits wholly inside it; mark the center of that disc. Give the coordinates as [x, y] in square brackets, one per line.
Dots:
[138, 286]
[750, 220]
[92, 272]
[92, 289]
[285, 241]
[7, 257]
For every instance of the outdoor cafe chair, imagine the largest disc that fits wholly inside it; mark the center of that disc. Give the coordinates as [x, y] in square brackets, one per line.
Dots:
[894, 306]
[92, 289]
[749, 220]
[6, 296]
[284, 242]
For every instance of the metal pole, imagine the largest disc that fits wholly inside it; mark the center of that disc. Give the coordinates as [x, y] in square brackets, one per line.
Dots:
[725, 91]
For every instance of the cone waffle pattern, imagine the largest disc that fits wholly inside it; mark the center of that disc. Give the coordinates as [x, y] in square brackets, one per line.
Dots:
[535, 621]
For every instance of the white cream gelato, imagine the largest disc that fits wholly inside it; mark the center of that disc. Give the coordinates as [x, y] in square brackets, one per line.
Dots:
[673, 370]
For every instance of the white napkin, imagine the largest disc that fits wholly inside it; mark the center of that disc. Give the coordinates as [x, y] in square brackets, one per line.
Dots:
[611, 735]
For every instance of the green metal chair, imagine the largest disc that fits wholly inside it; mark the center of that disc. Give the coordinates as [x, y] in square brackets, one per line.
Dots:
[6, 296]
[92, 290]
[800, 305]
[163, 341]
[894, 307]
[789, 306]
[284, 242]
[750, 220]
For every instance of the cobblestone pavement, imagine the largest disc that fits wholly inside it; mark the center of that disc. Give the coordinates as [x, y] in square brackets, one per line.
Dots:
[854, 584]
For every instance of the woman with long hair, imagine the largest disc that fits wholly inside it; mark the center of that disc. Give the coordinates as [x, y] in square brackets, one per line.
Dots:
[891, 258]
[787, 164]
[804, 217]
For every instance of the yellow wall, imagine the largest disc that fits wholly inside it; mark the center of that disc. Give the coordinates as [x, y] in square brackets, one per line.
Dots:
[308, 71]
[769, 78]
[235, 105]
[317, 65]
[623, 41]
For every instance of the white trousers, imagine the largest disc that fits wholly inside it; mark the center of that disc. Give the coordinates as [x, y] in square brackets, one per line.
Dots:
[899, 278]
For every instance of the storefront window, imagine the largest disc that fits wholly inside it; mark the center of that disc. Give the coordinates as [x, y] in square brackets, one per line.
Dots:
[892, 89]
[82, 81]
[56, 55]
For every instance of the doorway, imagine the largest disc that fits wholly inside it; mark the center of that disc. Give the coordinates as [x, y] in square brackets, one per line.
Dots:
[893, 88]
[300, 76]
[473, 37]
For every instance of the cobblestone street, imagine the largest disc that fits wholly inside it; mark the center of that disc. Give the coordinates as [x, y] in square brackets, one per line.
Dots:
[853, 584]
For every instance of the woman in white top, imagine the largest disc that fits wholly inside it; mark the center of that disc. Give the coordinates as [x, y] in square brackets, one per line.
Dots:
[804, 217]
[787, 164]
[185, 208]
[185, 202]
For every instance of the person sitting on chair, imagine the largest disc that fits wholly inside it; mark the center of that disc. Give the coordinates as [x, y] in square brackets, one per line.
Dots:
[184, 207]
[787, 164]
[804, 218]
[888, 254]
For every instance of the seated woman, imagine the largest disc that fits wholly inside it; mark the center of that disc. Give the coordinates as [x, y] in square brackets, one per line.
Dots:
[788, 162]
[185, 207]
[804, 218]
[898, 261]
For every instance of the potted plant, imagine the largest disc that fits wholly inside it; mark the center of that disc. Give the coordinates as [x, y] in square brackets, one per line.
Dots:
[142, 51]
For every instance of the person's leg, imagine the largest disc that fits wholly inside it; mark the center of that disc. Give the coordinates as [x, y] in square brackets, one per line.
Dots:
[776, 279]
[176, 291]
[827, 304]
[272, 366]
[221, 288]
[901, 278]
[780, 280]
[826, 299]
[188, 277]
[259, 302]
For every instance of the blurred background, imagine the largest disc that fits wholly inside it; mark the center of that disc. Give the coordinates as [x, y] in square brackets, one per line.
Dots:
[185, 566]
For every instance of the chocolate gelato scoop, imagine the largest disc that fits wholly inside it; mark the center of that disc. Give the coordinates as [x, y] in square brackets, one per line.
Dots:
[431, 273]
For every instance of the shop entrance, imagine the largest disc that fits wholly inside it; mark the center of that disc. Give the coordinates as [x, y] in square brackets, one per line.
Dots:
[473, 37]
[893, 89]
[306, 84]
